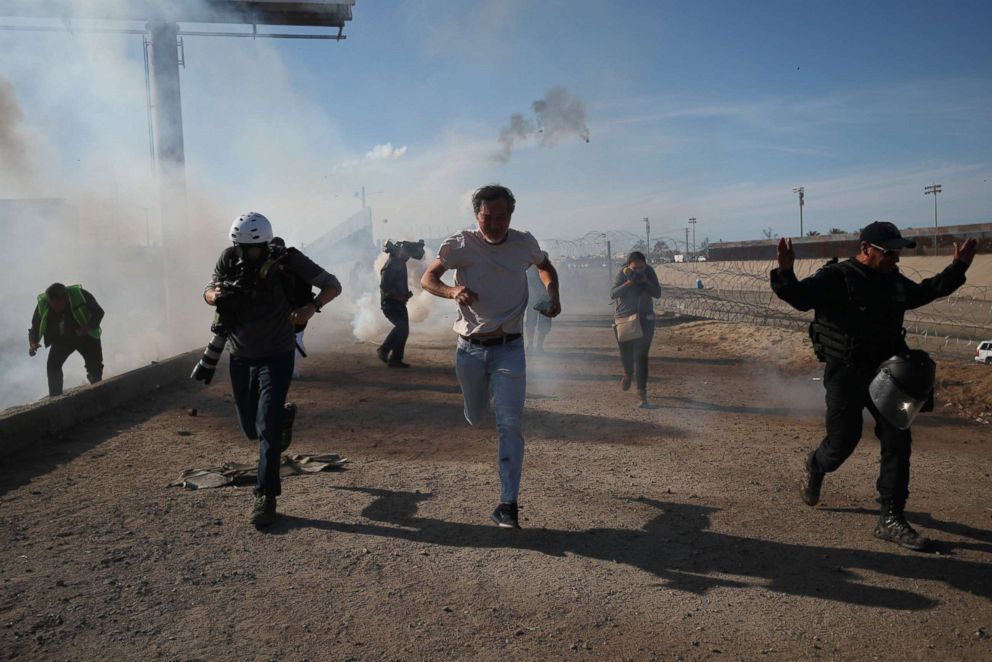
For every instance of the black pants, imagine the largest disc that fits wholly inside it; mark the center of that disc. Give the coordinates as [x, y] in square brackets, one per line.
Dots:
[634, 355]
[62, 349]
[260, 387]
[847, 397]
[395, 343]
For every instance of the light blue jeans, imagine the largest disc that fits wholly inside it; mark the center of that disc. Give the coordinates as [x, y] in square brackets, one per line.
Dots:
[498, 374]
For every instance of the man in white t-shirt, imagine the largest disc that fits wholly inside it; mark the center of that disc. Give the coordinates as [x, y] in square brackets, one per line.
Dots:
[490, 288]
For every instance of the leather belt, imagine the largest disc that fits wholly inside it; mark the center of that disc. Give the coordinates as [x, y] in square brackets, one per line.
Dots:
[489, 341]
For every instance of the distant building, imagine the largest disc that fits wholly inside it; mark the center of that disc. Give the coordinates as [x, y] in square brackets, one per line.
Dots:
[846, 245]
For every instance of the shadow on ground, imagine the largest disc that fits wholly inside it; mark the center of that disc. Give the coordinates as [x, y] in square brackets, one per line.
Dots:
[438, 429]
[930, 522]
[677, 547]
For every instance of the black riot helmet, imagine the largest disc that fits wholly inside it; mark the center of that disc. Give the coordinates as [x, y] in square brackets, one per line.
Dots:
[903, 385]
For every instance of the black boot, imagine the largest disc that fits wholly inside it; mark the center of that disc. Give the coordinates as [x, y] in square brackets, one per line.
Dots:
[263, 512]
[812, 481]
[892, 526]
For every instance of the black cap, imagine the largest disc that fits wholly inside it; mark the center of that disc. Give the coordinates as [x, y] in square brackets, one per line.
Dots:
[886, 235]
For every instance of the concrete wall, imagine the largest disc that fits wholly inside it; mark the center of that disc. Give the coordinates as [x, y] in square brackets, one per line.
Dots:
[19, 426]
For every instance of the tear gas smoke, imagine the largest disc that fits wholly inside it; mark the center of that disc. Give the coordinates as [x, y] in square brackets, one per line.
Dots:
[557, 116]
[369, 324]
[15, 165]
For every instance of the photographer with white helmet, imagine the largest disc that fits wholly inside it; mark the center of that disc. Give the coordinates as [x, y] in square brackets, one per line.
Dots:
[252, 290]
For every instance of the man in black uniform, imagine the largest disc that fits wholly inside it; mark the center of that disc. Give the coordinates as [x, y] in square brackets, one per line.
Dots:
[67, 319]
[860, 304]
[252, 291]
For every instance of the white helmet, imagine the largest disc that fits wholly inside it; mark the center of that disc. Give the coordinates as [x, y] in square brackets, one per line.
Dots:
[251, 228]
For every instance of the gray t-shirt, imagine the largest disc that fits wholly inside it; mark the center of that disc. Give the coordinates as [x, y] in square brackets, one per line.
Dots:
[261, 325]
[497, 273]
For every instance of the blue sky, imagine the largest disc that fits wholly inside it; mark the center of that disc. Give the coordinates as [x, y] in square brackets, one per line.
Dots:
[708, 109]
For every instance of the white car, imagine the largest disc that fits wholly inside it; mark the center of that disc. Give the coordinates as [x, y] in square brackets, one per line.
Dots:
[984, 352]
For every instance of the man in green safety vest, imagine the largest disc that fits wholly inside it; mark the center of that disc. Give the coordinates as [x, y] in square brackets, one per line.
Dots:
[67, 319]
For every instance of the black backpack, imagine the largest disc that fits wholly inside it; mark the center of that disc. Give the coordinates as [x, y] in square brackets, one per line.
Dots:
[298, 291]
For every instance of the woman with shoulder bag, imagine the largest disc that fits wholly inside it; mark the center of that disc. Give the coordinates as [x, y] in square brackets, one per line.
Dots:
[634, 289]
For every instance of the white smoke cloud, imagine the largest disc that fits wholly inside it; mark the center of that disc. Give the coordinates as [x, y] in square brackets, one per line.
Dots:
[369, 324]
[385, 152]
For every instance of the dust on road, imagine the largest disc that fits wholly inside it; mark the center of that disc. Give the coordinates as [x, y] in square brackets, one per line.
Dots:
[672, 533]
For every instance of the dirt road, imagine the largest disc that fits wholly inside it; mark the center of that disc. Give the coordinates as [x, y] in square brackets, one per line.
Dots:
[671, 533]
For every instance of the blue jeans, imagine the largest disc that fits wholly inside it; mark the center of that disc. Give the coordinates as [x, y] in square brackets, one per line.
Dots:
[260, 387]
[498, 374]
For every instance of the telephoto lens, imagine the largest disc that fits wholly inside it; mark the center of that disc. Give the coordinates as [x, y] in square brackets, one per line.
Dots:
[207, 365]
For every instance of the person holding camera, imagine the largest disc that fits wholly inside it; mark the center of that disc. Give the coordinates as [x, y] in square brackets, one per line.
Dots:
[634, 290]
[252, 290]
[67, 319]
[394, 293]
[859, 308]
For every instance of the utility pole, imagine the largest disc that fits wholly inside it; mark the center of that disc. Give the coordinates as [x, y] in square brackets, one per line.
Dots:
[802, 192]
[609, 262]
[933, 190]
[692, 221]
[687, 239]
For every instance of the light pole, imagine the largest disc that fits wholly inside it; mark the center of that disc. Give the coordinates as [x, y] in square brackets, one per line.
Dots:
[933, 190]
[647, 234]
[692, 221]
[801, 191]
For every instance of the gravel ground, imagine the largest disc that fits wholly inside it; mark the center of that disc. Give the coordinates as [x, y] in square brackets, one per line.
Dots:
[669, 533]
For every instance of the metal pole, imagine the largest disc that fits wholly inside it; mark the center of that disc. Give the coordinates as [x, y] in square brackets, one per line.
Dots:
[933, 190]
[801, 190]
[687, 239]
[647, 234]
[609, 262]
[148, 103]
[936, 230]
[693, 222]
[171, 161]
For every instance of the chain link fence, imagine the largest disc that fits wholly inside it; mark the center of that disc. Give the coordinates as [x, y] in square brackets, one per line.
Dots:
[739, 292]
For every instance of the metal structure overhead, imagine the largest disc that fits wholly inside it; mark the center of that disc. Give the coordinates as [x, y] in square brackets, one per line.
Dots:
[161, 35]
[311, 13]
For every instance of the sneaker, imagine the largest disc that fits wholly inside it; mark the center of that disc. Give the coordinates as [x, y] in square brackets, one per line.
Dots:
[642, 397]
[505, 516]
[811, 482]
[892, 526]
[382, 354]
[625, 383]
[289, 417]
[398, 364]
[264, 512]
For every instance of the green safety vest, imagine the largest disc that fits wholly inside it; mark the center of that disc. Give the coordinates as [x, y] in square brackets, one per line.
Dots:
[77, 304]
